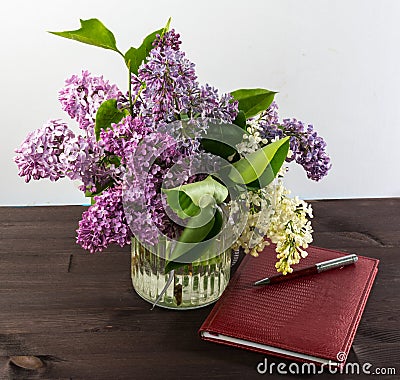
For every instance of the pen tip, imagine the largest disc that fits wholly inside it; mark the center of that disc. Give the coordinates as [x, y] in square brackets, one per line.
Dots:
[264, 281]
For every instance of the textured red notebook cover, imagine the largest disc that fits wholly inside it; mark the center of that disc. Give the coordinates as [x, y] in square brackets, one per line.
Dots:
[311, 319]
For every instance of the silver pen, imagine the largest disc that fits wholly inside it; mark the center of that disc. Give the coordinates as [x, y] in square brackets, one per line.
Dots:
[317, 268]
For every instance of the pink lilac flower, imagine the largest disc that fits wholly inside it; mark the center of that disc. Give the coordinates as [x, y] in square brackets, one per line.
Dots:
[124, 136]
[82, 96]
[170, 80]
[104, 223]
[88, 163]
[42, 154]
[144, 177]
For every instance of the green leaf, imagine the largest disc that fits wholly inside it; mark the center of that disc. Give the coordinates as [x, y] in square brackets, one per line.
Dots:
[135, 56]
[187, 200]
[217, 226]
[240, 120]
[181, 203]
[186, 250]
[107, 114]
[92, 32]
[253, 101]
[166, 27]
[264, 163]
[218, 148]
[272, 170]
[222, 139]
[198, 201]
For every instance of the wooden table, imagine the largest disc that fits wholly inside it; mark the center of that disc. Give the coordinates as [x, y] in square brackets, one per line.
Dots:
[79, 315]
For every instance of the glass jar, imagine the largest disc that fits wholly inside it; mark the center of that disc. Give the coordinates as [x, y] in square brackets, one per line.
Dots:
[188, 287]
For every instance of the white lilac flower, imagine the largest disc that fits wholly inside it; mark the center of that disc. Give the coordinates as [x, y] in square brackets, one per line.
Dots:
[289, 227]
[277, 218]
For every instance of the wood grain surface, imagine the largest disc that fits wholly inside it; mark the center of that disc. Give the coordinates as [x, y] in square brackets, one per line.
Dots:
[68, 314]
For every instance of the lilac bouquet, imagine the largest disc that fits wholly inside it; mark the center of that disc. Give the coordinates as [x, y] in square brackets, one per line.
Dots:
[136, 152]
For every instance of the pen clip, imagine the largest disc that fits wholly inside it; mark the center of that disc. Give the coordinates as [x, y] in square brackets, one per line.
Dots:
[336, 263]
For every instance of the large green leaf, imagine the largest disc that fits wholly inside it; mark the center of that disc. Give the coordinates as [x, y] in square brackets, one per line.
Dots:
[187, 200]
[92, 32]
[107, 114]
[264, 162]
[194, 241]
[221, 139]
[253, 101]
[273, 168]
[181, 204]
[240, 120]
[218, 148]
[135, 56]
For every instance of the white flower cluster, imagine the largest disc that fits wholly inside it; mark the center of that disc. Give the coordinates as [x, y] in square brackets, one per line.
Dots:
[274, 215]
[281, 219]
[252, 238]
[251, 142]
[289, 227]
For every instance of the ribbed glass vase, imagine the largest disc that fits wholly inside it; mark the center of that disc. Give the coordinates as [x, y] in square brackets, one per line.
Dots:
[193, 285]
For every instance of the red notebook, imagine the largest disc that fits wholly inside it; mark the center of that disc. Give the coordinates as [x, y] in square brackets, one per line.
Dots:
[310, 319]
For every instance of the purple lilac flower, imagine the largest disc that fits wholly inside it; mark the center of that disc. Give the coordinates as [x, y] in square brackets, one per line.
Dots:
[82, 96]
[171, 87]
[270, 116]
[170, 39]
[308, 148]
[170, 79]
[187, 134]
[146, 171]
[87, 162]
[124, 137]
[211, 105]
[104, 223]
[42, 154]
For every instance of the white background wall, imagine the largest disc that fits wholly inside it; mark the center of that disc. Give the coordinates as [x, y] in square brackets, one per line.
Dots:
[336, 64]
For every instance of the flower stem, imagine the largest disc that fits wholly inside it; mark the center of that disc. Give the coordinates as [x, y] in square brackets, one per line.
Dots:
[130, 92]
[142, 87]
